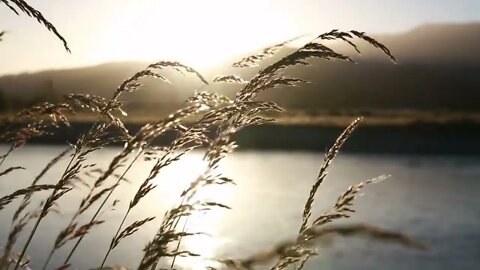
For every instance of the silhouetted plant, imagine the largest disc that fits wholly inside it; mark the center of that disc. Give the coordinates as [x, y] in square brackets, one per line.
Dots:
[216, 120]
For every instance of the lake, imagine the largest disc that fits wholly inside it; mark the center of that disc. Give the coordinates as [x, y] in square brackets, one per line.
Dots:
[433, 198]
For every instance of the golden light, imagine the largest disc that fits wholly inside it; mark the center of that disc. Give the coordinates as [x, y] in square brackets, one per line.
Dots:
[209, 223]
[199, 33]
[175, 179]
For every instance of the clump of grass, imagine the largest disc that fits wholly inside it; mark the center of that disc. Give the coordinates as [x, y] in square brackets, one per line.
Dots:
[219, 120]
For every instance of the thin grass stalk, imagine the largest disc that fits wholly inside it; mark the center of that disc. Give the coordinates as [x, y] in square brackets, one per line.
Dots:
[116, 234]
[23, 221]
[70, 254]
[101, 206]
[39, 219]
[45, 208]
[32, 12]
[12, 146]
[49, 257]
[12, 237]
[329, 157]
[173, 226]
[26, 198]
[300, 247]
[179, 240]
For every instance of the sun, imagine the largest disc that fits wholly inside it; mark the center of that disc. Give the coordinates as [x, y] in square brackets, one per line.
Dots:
[202, 34]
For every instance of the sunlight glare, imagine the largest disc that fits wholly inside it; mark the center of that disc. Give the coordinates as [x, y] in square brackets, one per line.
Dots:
[208, 223]
[199, 33]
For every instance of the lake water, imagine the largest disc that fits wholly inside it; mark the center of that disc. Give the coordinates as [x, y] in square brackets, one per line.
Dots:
[435, 199]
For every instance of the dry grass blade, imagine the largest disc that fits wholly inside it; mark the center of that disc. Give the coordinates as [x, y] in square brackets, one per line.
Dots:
[11, 240]
[253, 60]
[178, 67]
[329, 156]
[212, 100]
[23, 263]
[70, 233]
[129, 230]
[369, 231]
[281, 81]
[21, 136]
[50, 164]
[84, 229]
[342, 207]
[56, 112]
[65, 184]
[299, 57]
[89, 200]
[5, 200]
[295, 251]
[229, 79]
[310, 50]
[286, 249]
[335, 34]
[95, 103]
[158, 248]
[346, 36]
[9, 170]
[32, 12]
[131, 84]
[35, 121]
[375, 43]
[73, 232]
[10, 7]
[298, 251]
[63, 235]
[19, 224]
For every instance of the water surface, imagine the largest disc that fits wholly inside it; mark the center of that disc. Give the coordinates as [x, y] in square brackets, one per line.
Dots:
[432, 198]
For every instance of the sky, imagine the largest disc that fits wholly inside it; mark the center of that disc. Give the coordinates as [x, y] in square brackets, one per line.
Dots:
[199, 33]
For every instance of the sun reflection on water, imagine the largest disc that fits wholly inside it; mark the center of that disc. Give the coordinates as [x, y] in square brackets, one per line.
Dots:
[207, 223]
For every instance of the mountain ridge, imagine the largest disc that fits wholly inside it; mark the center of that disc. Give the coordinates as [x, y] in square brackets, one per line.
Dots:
[439, 69]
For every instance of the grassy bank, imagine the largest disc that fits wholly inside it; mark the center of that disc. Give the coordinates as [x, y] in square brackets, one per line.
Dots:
[454, 137]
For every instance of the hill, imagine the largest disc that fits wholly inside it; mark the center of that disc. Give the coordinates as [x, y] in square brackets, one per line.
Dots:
[439, 69]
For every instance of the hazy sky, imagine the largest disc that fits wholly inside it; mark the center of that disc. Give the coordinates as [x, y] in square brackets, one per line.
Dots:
[200, 33]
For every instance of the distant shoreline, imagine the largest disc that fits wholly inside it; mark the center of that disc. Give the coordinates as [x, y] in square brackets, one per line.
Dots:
[459, 138]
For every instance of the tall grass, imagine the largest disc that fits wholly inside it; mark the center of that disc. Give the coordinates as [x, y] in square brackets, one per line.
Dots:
[218, 119]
